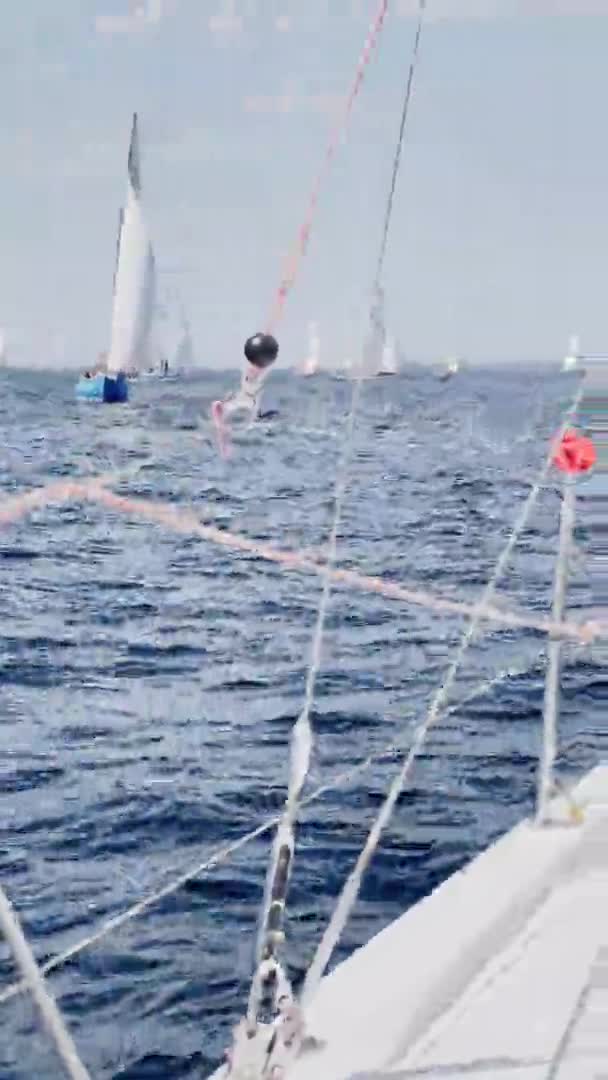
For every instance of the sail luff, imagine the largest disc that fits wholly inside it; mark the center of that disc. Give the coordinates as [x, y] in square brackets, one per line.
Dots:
[134, 161]
[121, 216]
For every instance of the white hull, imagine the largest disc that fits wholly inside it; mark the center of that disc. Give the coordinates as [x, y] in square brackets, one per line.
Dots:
[492, 967]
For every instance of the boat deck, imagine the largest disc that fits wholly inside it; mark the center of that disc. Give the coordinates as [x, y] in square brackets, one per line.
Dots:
[501, 972]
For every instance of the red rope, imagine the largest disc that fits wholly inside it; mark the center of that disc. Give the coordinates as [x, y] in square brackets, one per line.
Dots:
[293, 261]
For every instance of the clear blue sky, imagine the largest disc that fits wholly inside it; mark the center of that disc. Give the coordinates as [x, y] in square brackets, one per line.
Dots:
[499, 247]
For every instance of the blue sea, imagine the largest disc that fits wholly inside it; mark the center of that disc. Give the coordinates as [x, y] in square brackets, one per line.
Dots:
[149, 681]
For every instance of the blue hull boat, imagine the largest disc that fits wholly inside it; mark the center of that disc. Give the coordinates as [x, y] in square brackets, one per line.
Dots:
[108, 388]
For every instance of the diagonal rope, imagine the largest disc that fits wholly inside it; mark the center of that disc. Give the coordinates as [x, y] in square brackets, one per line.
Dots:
[186, 522]
[34, 980]
[350, 892]
[400, 141]
[301, 246]
[222, 854]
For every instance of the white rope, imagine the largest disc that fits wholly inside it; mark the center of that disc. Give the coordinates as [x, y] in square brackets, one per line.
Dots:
[350, 892]
[222, 854]
[33, 978]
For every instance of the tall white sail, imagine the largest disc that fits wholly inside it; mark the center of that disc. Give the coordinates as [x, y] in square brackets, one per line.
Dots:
[2, 347]
[133, 279]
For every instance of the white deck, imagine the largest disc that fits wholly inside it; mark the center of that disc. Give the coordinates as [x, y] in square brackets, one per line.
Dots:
[501, 972]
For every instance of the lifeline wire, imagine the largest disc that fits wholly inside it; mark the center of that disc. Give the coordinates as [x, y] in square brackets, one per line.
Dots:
[350, 892]
[222, 854]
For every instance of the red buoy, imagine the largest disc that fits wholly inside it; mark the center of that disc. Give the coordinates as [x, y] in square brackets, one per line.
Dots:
[574, 454]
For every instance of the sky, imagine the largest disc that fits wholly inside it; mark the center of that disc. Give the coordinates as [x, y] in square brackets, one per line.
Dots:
[499, 242]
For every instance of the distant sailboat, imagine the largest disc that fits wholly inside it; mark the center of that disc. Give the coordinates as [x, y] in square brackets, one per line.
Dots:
[572, 358]
[146, 359]
[133, 297]
[451, 368]
[184, 353]
[2, 349]
[379, 351]
[311, 363]
[388, 362]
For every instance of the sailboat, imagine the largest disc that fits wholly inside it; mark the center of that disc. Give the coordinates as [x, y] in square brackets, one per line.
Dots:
[133, 295]
[184, 353]
[388, 362]
[311, 363]
[451, 368]
[572, 358]
[379, 351]
[170, 349]
[2, 349]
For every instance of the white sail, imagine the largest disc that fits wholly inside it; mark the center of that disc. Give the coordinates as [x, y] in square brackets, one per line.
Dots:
[312, 361]
[134, 279]
[2, 347]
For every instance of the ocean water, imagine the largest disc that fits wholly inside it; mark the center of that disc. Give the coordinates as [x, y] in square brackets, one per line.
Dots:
[149, 681]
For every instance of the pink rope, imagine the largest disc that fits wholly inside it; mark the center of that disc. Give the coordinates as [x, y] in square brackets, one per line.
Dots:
[182, 521]
[294, 259]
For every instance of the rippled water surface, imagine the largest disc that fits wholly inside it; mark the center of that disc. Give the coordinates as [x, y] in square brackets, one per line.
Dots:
[149, 682]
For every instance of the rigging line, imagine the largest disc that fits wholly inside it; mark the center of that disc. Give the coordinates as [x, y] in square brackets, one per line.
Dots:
[221, 855]
[256, 382]
[350, 892]
[34, 980]
[270, 934]
[399, 150]
[185, 522]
